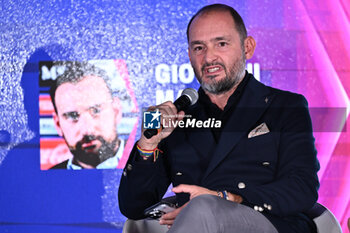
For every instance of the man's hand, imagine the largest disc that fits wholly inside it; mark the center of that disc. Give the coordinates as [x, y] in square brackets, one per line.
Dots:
[169, 218]
[169, 116]
[195, 191]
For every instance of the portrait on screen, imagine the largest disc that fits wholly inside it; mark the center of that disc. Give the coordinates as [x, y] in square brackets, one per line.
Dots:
[88, 114]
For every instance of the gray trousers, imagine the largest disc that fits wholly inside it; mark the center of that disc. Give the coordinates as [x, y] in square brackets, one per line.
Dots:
[212, 214]
[208, 214]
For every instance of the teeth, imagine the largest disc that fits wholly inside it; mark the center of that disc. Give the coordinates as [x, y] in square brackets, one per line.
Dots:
[213, 69]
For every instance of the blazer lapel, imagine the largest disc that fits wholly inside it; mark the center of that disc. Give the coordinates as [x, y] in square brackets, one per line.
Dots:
[254, 101]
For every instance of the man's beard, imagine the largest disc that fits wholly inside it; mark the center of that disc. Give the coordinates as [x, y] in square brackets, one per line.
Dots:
[92, 155]
[232, 77]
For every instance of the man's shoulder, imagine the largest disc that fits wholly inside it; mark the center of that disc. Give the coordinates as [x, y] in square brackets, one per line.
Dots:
[281, 96]
[288, 97]
[62, 165]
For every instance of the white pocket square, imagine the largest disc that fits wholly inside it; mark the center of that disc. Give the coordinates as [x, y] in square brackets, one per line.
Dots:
[259, 130]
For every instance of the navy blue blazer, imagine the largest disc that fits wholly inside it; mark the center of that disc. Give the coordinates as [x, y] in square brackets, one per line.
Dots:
[275, 173]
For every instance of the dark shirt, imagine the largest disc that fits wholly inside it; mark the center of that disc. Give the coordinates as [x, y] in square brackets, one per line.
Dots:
[213, 111]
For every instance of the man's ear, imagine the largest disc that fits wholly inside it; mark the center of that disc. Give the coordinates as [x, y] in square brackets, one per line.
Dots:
[249, 47]
[188, 52]
[57, 124]
[117, 107]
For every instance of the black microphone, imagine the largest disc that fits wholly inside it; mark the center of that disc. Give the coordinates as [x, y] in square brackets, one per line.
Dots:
[188, 97]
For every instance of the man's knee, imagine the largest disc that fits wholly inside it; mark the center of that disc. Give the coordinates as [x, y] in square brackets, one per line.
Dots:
[198, 213]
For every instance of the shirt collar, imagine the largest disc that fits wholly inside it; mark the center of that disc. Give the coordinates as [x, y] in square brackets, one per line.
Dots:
[204, 99]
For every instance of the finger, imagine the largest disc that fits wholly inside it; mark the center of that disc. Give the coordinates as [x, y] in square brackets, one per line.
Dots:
[171, 215]
[166, 108]
[169, 218]
[180, 115]
[167, 115]
[172, 106]
[166, 222]
[151, 108]
[182, 188]
[169, 106]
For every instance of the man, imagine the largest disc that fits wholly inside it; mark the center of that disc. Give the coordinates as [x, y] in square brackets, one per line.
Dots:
[86, 116]
[258, 173]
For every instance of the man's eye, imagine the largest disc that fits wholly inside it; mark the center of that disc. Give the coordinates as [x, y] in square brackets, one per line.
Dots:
[94, 111]
[74, 116]
[222, 44]
[198, 48]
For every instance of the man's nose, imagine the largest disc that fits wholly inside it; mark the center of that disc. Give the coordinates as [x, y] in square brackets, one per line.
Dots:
[210, 55]
[87, 124]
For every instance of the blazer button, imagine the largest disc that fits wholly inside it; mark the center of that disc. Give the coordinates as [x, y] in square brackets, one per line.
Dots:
[266, 206]
[129, 167]
[179, 174]
[266, 164]
[241, 185]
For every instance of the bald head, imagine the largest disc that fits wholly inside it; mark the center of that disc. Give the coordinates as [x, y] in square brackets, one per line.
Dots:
[239, 24]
